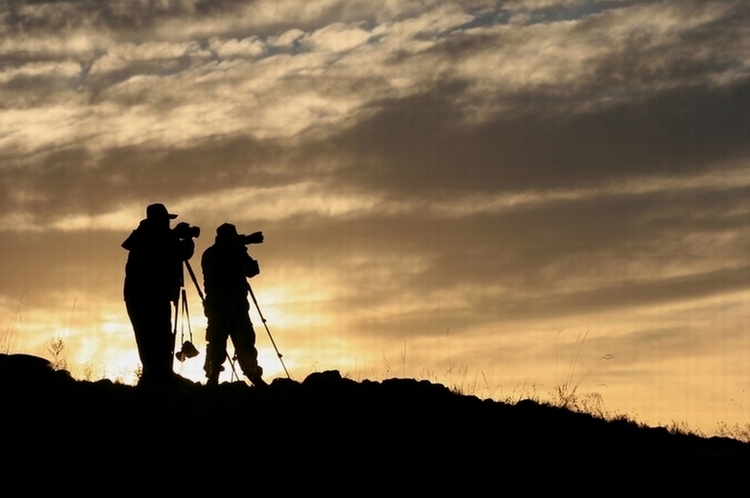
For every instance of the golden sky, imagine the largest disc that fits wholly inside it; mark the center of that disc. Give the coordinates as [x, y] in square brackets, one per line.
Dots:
[453, 190]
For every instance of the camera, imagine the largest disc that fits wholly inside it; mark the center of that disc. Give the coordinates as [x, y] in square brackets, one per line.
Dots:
[228, 232]
[253, 238]
[185, 231]
[188, 351]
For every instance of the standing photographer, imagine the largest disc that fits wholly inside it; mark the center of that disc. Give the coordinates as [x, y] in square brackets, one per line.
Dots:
[153, 277]
[226, 266]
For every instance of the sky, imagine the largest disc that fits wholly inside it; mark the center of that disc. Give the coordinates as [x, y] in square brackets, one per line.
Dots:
[504, 196]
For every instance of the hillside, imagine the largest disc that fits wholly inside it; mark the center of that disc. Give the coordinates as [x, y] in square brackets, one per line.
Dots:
[399, 432]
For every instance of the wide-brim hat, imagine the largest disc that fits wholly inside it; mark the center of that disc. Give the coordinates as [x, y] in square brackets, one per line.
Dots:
[159, 211]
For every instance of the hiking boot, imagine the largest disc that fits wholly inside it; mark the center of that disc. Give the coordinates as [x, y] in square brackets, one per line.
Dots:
[254, 376]
[258, 381]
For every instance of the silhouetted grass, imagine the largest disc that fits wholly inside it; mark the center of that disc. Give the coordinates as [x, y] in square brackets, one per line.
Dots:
[567, 395]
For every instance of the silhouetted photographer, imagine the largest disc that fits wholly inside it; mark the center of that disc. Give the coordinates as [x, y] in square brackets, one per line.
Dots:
[226, 267]
[153, 278]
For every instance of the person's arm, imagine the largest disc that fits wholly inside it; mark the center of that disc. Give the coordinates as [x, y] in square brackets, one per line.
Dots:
[133, 239]
[252, 268]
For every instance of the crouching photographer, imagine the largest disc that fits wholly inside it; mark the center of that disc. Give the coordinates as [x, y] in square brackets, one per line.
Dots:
[226, 267]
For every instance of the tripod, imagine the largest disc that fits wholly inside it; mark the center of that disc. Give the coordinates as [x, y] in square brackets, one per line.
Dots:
[187, 350]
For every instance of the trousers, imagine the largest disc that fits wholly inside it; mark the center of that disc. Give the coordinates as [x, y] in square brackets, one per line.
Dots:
[229, 318]
[152, 324]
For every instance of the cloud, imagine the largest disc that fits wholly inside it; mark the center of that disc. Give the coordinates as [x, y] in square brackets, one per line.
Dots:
[559, 67]
[416, 145]
[250, 47]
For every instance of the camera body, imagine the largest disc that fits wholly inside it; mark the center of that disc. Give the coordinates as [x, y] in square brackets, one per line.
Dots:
[187, 351]
[185, 231]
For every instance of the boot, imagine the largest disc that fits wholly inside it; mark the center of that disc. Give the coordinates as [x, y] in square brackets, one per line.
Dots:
[212, 380]
[212, 376]
[255, 377]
